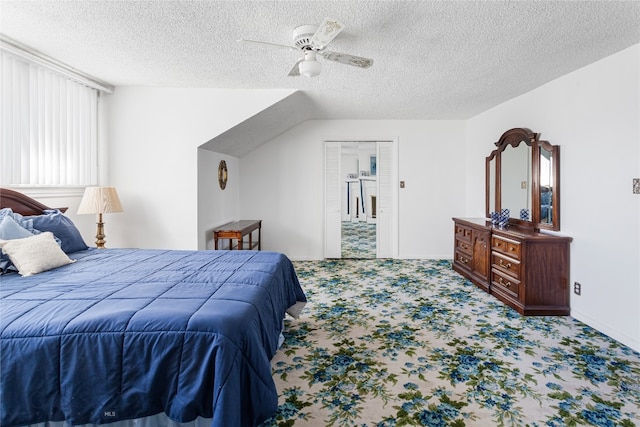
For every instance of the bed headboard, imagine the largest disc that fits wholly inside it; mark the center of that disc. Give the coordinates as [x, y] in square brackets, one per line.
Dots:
[24, 205]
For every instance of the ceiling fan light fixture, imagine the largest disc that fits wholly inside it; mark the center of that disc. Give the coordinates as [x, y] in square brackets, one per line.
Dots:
[310, 68]
[312, 40]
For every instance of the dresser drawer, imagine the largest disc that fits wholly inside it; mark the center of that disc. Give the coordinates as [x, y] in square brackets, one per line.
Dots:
[506, 246]
[463, 246]
[505, 284]
[463, 260]
[506, 265]
[463, 233]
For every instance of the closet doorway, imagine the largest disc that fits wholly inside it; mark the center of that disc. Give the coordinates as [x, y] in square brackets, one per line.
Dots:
[360, 217]
[358, 167]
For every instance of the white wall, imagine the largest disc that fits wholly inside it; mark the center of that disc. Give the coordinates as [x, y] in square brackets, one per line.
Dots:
[152, 141]
[216, 206]
[282, 183]
[594, 115]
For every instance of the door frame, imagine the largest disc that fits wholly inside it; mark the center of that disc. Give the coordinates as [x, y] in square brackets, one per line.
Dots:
[393, 241]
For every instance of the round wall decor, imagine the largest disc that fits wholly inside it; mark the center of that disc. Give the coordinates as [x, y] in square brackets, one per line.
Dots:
[222, 174]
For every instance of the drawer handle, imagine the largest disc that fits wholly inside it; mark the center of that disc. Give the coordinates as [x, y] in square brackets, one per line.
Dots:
[464, 246]
[502, 264]
[503, 283]
[464, 260]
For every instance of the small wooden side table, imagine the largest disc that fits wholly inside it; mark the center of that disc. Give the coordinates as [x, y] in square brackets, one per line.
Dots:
[236, 231]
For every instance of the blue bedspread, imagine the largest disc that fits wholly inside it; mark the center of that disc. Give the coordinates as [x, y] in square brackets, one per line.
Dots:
[123, 334]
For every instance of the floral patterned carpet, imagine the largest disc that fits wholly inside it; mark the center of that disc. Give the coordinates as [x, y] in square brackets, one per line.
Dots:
[358, 240]
[411, 343]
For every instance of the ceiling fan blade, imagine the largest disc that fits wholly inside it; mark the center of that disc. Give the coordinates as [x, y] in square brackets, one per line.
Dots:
[343, 58]
[268, 44]
[326, 32]
[295, 71]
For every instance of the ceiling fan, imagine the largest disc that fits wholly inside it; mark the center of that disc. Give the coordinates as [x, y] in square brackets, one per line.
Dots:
[312, 41]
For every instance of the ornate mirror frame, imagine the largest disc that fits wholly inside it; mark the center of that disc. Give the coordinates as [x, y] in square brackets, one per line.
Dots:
[543, 215]
[223, 175]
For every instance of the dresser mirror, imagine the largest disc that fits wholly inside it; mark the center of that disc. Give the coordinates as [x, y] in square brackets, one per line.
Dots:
[522, 175]
[547, 165]
[490, 182]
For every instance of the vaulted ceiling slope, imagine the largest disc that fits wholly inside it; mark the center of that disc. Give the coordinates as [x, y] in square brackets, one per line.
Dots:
[432, 59]
[263, 126]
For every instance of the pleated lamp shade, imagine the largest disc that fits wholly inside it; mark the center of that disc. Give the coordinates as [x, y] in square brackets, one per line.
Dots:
[99, 200]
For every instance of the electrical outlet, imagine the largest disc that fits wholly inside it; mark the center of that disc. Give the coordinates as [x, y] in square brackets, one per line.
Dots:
[401, 184]
[577, 288]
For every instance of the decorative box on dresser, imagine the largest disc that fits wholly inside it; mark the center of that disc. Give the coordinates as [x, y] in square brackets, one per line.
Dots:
[526, 269]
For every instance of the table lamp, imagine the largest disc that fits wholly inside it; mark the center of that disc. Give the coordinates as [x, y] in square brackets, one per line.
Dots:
[99, 200]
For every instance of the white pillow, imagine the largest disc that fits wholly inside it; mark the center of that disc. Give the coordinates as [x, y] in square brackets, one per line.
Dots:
[35, 254]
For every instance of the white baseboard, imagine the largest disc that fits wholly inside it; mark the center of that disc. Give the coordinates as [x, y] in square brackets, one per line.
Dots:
[423, 256]
[631, 342]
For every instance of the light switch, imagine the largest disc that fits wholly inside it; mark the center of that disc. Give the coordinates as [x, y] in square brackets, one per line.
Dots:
[401, 184]
[636, 185]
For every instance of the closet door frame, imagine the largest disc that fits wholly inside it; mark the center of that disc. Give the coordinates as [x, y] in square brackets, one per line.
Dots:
[387, 231]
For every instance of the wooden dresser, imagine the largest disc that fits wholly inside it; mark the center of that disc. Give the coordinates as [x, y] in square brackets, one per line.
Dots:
[525, 269]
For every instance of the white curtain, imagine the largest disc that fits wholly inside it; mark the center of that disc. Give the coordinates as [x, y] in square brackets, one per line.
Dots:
[49, 127]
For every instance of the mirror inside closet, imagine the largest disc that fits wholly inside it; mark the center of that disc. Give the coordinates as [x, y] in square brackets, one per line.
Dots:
[358, 210]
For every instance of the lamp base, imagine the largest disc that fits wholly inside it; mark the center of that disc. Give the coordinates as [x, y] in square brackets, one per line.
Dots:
[100, 233]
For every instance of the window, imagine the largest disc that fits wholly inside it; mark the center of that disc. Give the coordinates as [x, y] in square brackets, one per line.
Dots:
[48, 133]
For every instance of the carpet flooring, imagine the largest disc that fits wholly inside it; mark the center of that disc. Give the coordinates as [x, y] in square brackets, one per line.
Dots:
[386, 343]
[358, 240]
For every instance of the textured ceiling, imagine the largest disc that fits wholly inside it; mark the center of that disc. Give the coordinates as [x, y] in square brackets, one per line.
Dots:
[432, 59]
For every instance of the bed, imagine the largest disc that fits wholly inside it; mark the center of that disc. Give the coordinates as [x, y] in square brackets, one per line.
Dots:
[155, 336]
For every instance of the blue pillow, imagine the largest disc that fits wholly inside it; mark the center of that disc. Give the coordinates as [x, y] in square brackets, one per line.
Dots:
[9, 230]
[4, 212]
[62, 227]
